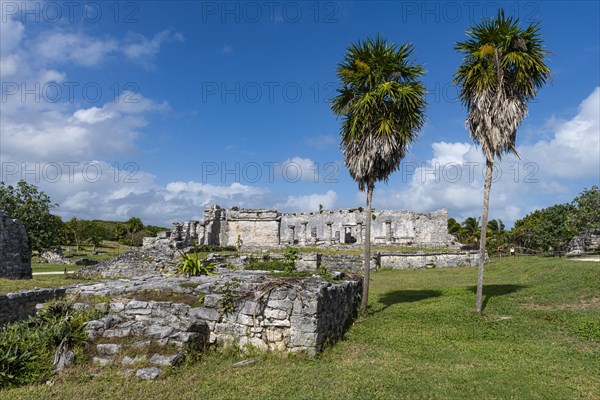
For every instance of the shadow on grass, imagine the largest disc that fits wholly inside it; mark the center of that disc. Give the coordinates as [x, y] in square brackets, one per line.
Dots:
[490, 291]
[405, 296]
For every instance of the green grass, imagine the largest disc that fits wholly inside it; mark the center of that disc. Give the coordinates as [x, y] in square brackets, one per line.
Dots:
[38, 282]
[47, 267]
[538, 339]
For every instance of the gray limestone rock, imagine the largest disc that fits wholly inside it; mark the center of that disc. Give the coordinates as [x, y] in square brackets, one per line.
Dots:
[15, 254]
[148, 373]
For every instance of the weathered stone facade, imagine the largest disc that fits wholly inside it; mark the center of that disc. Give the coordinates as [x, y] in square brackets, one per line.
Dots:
[270, 228]
[584, 243]
[15, 254]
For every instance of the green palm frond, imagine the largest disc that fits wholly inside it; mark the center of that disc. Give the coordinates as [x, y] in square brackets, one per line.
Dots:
[503, 68]
[382, 105]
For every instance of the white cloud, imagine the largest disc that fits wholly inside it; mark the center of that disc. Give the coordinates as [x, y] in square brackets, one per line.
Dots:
[140, 49]
[74, 47]
[11, 34]
[309, 202]
[298, 169]
[86, 133]
[573, 152]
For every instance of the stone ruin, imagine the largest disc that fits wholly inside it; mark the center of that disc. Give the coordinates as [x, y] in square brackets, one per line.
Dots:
[15, 254]
[587, 242]
[268, 228]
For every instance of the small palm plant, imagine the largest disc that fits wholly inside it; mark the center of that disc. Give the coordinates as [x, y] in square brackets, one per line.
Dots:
[194, 265]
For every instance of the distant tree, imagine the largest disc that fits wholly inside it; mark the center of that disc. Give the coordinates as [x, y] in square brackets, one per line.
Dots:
[454, 228]
[586, 216]
[470, 230]
[497, 235]
[382, 102]
[133, 225]
[94, 233]
[75, 228]
[33, 209]
[546, 229]
[119, 232]
[503, 67]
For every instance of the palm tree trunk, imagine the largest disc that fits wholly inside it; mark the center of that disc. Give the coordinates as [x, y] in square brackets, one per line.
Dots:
[367, 259]
[489, 165]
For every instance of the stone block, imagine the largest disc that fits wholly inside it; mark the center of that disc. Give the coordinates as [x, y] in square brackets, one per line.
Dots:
[108, 349]
[127, 360]
[275, 314]
[102, 360]
[285, 305]
[165, 360]
[158, 331]
[147, 373]
[204, 313]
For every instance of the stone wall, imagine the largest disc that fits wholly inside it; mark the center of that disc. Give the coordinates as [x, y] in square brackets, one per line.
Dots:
[248, 227]
[269, 228]
[243, 309]
[15, 254]
[19, 306]
[346, 226]
[586, 242]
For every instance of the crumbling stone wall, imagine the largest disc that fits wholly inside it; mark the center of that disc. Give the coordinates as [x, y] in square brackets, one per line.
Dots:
[347, 226]
[15, 254]
[269, 228]
[242, 308]
[585, 242]
[248, 227]
[19, 306]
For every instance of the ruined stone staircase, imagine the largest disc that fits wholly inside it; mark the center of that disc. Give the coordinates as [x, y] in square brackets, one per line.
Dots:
[145, 336]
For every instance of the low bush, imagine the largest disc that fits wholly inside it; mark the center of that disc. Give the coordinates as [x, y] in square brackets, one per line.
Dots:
[269, 265]
[27, 348]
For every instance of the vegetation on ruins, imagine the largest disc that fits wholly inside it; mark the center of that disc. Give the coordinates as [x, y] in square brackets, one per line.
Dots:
[194, 265]
[382, 105]
[503, 68]
[27, 348]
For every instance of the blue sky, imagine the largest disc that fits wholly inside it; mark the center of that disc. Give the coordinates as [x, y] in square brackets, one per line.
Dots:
[155, 109]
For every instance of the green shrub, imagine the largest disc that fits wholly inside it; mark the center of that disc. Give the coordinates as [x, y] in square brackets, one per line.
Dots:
[269, 265]
[193, 265]
[27, 348]
[213, 248]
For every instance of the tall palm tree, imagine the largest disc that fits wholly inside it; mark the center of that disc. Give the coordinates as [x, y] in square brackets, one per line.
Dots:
[382, 102]
[503, 68]
[470, 230]
[454, 228]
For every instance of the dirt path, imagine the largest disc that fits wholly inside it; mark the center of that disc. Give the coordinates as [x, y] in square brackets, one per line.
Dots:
[596, 259]
[51, 273]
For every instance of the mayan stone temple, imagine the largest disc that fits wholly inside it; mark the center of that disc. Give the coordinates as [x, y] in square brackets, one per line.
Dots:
[269, 228]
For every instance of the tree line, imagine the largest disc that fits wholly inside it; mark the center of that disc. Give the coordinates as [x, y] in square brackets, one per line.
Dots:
[48, 231]
[547, 230]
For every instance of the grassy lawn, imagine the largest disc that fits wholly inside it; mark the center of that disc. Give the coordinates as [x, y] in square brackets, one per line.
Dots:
[47, 267]
[38, 281]
[539, 339]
